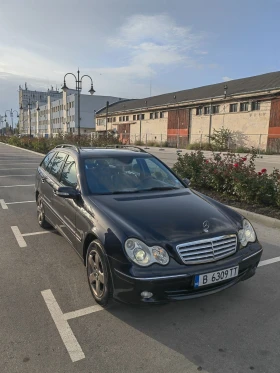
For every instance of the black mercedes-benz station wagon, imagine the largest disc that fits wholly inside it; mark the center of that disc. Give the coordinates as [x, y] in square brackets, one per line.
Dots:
[143, 234]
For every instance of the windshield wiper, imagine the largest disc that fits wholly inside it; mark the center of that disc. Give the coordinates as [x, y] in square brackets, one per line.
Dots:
[160, 188]
[124, 191]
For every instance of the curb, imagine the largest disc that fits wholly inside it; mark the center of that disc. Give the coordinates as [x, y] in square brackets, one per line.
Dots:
[258, 218]
[27, 150]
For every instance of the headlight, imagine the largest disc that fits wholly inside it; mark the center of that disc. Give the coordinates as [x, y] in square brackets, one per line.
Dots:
[247, 234]
[144, 255]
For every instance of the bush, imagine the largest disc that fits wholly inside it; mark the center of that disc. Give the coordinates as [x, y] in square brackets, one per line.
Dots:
[44, 145]
[200, 146]
[231, 175]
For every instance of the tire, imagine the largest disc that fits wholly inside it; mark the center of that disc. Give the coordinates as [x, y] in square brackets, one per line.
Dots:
[98, 274]
[41, 214]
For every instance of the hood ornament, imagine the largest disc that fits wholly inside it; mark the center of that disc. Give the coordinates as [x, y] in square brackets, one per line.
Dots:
[206, 226]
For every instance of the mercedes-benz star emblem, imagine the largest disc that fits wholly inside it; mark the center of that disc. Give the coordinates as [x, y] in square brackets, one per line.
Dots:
[206, 226]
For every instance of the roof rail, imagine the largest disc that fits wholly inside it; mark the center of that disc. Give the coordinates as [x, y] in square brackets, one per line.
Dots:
[68, 146]
[126, 147]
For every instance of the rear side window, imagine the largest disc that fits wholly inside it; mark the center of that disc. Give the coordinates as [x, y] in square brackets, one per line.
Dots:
[56, 164]
[46, 160]
[69, 173]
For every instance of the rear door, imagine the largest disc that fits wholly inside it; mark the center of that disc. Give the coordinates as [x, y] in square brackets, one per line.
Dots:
[51, 184]
[66, 207]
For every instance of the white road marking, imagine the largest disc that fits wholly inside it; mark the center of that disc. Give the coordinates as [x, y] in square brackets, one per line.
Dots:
[20, 240]
[269, 261]
[18, 168]
[82, 312]
[35, 233]
[5, 207]
[72, 345]
[17, 175]
[14, 203]
[13, 186]
[3, 204]
[16, 164]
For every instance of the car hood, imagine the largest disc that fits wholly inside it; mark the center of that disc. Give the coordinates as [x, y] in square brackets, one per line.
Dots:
[166, 217]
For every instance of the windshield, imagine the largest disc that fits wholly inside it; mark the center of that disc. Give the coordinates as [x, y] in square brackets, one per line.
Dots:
[128, 174]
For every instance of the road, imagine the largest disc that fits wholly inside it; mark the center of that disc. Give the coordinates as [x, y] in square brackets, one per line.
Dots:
[49, 322]
[169, 156]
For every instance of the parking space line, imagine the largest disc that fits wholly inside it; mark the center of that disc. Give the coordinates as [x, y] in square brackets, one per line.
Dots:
[269, 261]
[35, 233]
[15, 203]
[5, 207]
[33, 175]
[70, 341]
[13, 186]
[18, 168]
[82, 312]
[20, 240]
[3, 204]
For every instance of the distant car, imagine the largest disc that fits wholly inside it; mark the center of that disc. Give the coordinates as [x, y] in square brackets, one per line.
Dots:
[142, 233]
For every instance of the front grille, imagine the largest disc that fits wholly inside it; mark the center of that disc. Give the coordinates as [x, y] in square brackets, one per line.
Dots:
[209, 250]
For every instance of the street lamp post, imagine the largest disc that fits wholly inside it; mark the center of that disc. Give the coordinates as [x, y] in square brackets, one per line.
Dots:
[11, 112]
[78, 81]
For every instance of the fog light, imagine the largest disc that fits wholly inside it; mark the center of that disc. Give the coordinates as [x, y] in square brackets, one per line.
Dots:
[146, 294]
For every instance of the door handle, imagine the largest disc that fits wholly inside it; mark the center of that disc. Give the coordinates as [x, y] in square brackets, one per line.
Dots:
[55, 192]
[43, 179]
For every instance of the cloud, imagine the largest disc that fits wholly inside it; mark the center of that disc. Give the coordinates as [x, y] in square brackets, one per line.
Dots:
[157, 40]
[226, 79]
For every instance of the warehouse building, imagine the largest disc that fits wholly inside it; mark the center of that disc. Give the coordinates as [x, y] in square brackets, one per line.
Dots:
[250, 107]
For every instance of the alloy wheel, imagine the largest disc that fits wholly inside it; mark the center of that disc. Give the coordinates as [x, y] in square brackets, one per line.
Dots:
[96, 274]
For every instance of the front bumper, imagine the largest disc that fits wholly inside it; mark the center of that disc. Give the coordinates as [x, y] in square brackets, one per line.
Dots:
[166, 287]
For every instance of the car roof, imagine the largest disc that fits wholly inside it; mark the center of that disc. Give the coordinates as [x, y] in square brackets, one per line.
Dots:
[102, 152]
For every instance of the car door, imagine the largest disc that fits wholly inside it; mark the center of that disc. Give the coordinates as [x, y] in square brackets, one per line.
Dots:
[51, 184]
[66, 207]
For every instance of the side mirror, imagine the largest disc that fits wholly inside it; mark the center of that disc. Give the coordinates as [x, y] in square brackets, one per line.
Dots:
[187, 182]
[67, 192]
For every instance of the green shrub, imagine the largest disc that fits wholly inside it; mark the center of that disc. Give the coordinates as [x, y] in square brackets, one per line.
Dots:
[231, 175]
[200, 146]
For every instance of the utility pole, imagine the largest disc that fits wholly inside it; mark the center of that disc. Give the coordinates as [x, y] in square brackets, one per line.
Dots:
[107, 109]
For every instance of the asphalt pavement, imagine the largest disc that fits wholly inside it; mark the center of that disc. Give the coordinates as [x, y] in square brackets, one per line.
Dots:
[49, 322]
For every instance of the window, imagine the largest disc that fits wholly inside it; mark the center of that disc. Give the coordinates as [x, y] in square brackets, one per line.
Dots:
[134, 117]
[127, 118]
[233, 108]
[151, 115]
[215, 109]
[156, 115]
[46, 160]
[120, 119]
[119, 174]
[255, 105]
[55, 166]
[199, 110]
[114, 119]
[138, 116]
[123, 118]
[244, 106]
[161, 114]
[142, 116]
[69, 174]
[206, 110]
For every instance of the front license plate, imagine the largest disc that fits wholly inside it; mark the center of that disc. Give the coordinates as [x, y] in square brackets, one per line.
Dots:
[213, 277]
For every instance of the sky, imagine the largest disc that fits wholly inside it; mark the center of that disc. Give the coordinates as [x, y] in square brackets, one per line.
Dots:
[131, 48]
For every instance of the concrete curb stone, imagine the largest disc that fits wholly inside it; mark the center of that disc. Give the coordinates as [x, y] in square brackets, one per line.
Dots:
[27, 150]
[258, 218]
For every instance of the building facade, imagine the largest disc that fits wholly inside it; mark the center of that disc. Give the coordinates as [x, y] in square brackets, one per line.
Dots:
[249, 107]
[28, 96]
[59, 114]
